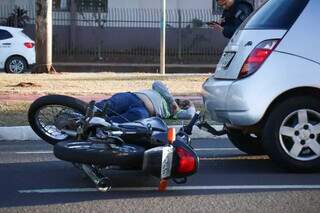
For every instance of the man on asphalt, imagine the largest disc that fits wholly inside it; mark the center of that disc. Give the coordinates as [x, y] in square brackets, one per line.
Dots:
[158, 101]
[234, 13]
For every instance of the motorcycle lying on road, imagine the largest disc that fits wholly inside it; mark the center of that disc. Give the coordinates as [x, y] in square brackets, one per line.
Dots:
[84, 136]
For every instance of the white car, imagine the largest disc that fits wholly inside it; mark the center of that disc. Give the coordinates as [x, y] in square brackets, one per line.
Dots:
[17, 50]
[266, 89]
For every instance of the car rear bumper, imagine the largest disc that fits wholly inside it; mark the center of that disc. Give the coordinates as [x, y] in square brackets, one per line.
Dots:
[31, 59]
[226, 103]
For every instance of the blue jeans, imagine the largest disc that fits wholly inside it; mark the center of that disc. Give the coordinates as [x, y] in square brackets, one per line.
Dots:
[124, 107]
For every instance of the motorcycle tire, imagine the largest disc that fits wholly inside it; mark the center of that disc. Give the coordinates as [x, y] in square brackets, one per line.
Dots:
[59, 100]
[125, 156]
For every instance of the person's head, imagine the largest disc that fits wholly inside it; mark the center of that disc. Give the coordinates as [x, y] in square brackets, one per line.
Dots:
[225, 4]
[186, 111]
[183, 103]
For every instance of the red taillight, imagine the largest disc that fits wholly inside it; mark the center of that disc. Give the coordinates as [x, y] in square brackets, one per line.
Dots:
[29, 45]
[257, 57]
[187, 162]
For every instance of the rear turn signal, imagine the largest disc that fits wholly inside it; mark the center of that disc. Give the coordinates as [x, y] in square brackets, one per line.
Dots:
[257, 57]
[171, 135]
[29, 45]
[187, 162]
[163, 185]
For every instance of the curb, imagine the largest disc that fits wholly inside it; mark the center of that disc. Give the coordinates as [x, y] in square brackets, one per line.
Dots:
[25, 133]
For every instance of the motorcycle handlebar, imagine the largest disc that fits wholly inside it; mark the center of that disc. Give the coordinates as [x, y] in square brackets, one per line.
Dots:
[188, 128]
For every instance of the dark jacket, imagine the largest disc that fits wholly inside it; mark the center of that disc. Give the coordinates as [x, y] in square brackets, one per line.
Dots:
[233, 17]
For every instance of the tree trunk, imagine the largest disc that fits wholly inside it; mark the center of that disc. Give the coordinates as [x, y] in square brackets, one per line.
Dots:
[43, 37]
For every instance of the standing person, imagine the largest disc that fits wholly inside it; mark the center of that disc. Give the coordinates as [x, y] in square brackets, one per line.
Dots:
[157, 101]
[234, 13]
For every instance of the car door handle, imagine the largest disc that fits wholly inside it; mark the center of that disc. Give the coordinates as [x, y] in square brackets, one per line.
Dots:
[7, 44]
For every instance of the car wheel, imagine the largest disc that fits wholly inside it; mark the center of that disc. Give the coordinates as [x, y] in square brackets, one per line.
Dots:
[246, 142]
[292, 134]
[16, 64]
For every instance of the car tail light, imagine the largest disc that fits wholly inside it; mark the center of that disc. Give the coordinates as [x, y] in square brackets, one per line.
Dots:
[187, 162]
[29, 45]
[257, 57]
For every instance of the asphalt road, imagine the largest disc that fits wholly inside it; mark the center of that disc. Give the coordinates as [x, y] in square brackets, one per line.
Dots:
[33, 180]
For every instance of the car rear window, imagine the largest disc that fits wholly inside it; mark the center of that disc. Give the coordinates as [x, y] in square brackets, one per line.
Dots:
[5, 35]
[276, 14]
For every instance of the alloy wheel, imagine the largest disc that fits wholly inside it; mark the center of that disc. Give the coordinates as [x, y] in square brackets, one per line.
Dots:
[16, 66]
[300, 135]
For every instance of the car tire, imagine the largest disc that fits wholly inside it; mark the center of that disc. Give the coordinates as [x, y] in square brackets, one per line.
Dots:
[16, 65]
[291, 137]
[245, 142]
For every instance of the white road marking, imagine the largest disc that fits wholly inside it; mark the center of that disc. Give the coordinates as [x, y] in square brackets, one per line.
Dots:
[216, 149]
[241, 157]
[173, 188]
[34, 152]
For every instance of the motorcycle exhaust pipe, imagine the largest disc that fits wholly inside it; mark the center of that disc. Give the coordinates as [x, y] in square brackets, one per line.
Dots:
[102, 183]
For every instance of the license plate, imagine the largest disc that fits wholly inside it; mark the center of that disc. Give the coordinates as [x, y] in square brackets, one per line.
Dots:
[166, 166]
[226, 59]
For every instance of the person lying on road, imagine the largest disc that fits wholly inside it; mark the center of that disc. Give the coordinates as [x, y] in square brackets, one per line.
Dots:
[158, 101]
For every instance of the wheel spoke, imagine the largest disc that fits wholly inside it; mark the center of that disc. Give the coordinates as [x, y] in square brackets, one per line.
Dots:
[287, 131]
[316, 129]
[296, 149]
[302, 117]
[314, 146]
[45, 117]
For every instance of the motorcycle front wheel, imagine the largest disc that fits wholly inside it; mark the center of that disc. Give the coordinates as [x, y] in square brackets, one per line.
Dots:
[48, 114]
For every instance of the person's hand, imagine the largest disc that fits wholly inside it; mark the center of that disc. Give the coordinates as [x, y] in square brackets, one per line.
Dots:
[216, 26]
[175, 107]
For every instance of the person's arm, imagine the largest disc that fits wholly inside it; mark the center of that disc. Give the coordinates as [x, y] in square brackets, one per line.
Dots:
[163, 91]
[185, 114]
[228, 31]
[242, 13]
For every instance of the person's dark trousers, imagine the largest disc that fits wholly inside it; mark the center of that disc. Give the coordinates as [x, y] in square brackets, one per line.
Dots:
[124, 107]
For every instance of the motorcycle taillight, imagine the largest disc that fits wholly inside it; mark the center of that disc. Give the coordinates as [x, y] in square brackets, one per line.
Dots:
[187, 161]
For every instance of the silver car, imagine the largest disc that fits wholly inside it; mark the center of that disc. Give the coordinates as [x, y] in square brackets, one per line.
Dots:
[266, 88]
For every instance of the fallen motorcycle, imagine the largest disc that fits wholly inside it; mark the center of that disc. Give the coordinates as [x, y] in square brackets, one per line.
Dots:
[84, 136]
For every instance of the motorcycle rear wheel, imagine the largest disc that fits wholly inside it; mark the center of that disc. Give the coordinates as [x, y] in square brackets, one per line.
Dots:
[125, 156]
